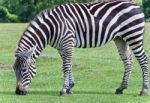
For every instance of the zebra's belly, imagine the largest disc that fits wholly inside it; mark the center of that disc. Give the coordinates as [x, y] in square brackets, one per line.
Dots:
[90, 42]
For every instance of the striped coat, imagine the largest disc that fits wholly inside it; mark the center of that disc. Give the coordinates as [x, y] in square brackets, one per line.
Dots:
[83, 26]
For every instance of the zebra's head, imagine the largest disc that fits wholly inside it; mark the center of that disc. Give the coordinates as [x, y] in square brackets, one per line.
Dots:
[25, 70]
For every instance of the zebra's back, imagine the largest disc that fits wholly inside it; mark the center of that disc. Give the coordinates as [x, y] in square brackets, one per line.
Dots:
[94, 24]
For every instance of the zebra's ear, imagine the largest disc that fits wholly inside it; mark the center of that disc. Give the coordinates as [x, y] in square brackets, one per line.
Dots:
[27, 54]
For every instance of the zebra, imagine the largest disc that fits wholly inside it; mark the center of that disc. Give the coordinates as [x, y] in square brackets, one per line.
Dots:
[82, 25]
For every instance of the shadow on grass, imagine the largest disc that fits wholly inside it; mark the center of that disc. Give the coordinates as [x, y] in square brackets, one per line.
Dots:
[104, 93]
[51, 93]
[56, 93]
[92, 93]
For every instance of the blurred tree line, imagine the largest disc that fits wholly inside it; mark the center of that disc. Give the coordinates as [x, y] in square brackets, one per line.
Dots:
[25, 10]
[146, 8]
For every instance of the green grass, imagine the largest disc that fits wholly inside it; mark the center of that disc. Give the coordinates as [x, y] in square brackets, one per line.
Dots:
[98, 72]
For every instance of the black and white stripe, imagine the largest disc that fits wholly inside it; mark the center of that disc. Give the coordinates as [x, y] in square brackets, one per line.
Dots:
[88, 25]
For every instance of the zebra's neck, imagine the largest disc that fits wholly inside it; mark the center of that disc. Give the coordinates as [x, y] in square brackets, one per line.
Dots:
[39, 33]
[32, 37]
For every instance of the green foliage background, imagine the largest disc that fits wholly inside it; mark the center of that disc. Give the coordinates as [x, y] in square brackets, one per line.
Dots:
[25, 10]
[146, 8]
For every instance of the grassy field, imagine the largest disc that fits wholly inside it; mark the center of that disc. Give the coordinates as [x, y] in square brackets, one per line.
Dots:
[97, 73]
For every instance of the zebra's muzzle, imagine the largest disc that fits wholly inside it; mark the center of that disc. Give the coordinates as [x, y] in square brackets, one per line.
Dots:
[20, 90]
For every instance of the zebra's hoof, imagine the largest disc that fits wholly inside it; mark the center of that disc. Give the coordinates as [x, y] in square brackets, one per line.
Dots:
[69, 91]
[143, 93]
[63, 93]
[119, 91]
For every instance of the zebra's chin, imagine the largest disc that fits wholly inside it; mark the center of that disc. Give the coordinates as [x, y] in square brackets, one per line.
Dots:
[20, 90]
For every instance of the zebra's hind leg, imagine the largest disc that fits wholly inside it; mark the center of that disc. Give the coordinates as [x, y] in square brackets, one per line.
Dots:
[137, 48]
[126, 57]
[66, 55]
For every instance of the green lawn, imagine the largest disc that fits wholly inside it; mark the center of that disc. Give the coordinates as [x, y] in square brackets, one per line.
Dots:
[97, 73]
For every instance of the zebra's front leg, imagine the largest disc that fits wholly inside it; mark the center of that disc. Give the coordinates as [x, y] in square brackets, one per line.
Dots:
[66, 55]
[71, 82]
[126, 57]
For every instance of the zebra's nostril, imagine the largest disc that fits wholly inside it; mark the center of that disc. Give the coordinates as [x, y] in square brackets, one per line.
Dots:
[20, 92]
